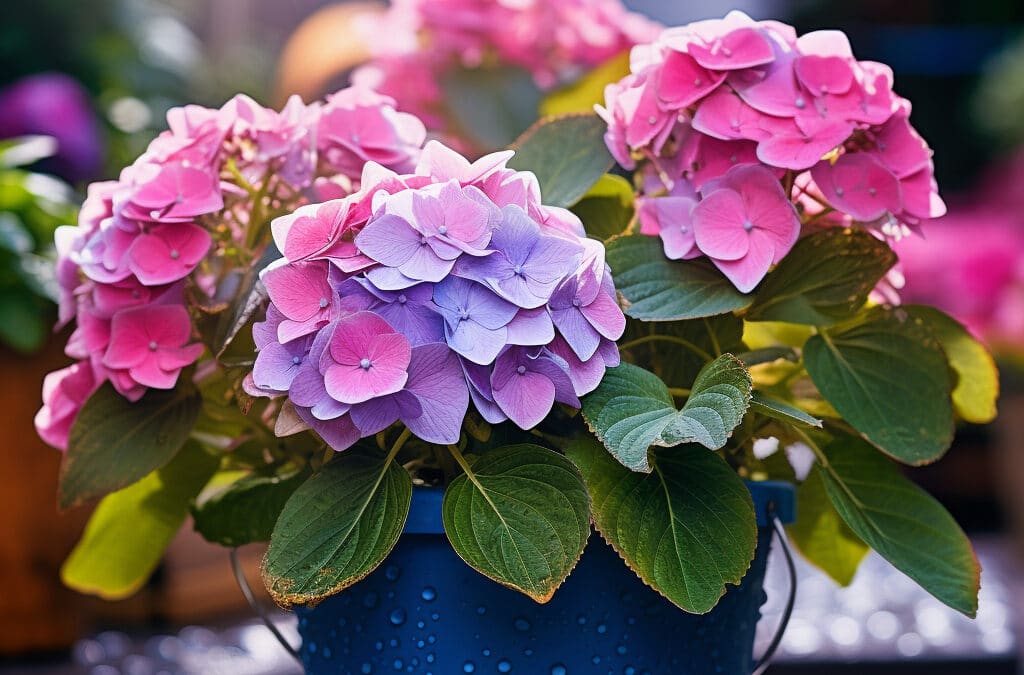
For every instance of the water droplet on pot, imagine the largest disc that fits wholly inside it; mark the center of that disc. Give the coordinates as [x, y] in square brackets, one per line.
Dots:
[485, 651]
[379, 646]
[311, 647]
[431, 639]
[581, 619]
[421, 624]
[559, 669]
[398, 664]
[602, 629]
[394, 642]
[429, 594]
[521, 624]
[621, 650]
[431, 657]
[435, 616]
[468, 667]
[596, 660]
[397, 617]
[366, 669]
[504, 666]
[481, 610]
[392, 572]
[370, 600]
[327, 652]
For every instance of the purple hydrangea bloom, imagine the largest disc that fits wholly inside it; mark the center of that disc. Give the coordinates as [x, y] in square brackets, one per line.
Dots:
[421, 292]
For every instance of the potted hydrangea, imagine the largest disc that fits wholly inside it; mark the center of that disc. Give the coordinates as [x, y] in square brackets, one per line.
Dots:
[313, 328]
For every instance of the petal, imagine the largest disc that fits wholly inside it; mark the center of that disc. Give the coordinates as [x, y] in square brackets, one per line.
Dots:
[526, 398]
[719, 224]
[531, 327]
[375, 416]
[437, 382]
[389, 240]
[747, 272]
[606, 316]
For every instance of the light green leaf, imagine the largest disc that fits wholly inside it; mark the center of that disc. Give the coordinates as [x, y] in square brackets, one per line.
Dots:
[887, 376]
[129, 531]
[246, 510]
[521, 518]
[821, 535]
[977, 385]
[686, 529]
[581, 95]
[632, 409]
[115, 442]
[567, 154]
[654, 288]
[775, 409]
[607, 208]
[825, 278]
[907, 527]
[337, 527]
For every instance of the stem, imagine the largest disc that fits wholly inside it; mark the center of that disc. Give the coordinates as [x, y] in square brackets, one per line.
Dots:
[679, 392]
[399, 442]
[444, 461]
[667, 338]
[714, 338]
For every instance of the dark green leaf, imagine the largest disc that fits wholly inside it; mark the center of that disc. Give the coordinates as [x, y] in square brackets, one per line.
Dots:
[825, 278]
[491, 105]
[887, 376]
[245, 511]
[115, 442]
[632, 409]
[775, 409]
[908, 527]
[337, 527]
[821, 535]
[687, 529]
[521, 518]
[655, 288]
[130, 529]
[756, 357]
[607, 209]
[567, 154]
[977, 385]
[677, 350]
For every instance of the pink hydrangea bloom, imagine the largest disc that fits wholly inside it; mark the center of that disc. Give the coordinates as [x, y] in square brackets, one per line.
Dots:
[473, 290]
[181, 214]
[64, 393]
[554, 40]
[704, 99]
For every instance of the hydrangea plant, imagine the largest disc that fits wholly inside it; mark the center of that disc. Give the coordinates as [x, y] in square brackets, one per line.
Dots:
[287, 320]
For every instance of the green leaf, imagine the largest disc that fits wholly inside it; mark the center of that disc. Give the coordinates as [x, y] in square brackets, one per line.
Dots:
[521, 517]
[607, 208]
[567, 154]
[686, 529]
[337, 527]
[23, 320]
[677, 350]
[825, 278]
[977, 386]
[887, 376]
[775, 409]
[115, 442]
[245, 511]
[821, 535]
[581, 95]
[654, 288]
[907, 527]
[129, 531]
[632, 409]
[491, 105]
[716, 405]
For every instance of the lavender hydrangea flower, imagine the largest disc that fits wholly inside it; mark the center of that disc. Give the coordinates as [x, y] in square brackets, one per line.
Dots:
[421, 292]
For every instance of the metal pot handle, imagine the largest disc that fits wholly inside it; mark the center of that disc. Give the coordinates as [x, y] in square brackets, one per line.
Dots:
[780, 534]
[243, 585]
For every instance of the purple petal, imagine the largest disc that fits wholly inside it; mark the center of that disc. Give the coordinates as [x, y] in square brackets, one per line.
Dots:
[531, 327]
[577, 331]
[375, 415]
[340, 433]
[437, 382]
[389, 240]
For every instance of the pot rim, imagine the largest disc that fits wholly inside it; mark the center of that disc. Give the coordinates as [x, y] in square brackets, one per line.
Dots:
[425, 510]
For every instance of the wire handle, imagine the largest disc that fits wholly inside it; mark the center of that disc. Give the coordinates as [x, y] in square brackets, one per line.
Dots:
[780, 535]
[243, 585]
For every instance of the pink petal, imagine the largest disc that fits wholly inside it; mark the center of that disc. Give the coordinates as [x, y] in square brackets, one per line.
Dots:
[719, 225]
[740, 48]
[859, 185]
[824, 74]
[682, 81]
[747, 272]
[299, 290]
[605, 315]
[353, 384]
[167, 253]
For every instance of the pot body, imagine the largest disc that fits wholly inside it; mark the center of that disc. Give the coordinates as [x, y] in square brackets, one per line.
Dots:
[425, 611]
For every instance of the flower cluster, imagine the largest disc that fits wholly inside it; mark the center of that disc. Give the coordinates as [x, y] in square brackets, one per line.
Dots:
[554, 40]
[175, 223]
[423, 291]
[717, 105]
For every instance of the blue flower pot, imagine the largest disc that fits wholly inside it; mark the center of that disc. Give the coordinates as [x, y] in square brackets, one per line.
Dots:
[425, 611]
